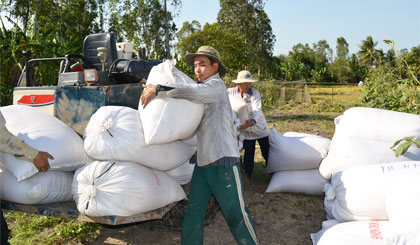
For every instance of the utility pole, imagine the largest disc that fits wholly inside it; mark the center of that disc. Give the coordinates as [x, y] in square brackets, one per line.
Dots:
[168, 54]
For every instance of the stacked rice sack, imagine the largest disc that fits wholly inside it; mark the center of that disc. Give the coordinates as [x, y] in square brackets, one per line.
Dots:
[373, 196]
[373, 204]
[142, 155]
[294, 159]
[107, 188]
[365, 136]
[19, 180]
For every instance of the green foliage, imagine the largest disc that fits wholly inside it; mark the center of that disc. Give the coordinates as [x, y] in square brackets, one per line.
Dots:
[293, 70]
[393, 88]
[76, 19]
[30, 229]
[74, 231]
[43, 43]
[306, 63]
[188, 29]
[6, 94]
[142, 22]
[384, 88]
[182, 66]
[229, 44]
[368, 55]
[270, 92]
[248, 19]
[318, 74]
[404, 144]
[302, 59]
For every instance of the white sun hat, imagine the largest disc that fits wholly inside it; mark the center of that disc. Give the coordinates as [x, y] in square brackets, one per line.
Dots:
[245, 77]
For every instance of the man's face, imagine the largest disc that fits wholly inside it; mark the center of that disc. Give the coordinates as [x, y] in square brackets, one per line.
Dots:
[203, 68]
[243, 87]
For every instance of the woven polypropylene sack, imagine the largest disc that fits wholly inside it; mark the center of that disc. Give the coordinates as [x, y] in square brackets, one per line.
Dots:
[43, 132]
[296, 151]
[403, 199]
[326, 224]
[182, 174]
[346, 153]
[308, 182]
[356, 232]
[115, 133]
[359, 193]
[365, 136]
[240, 108]
[166, 119]
[122, 189]
[376, 124]
[41, 188]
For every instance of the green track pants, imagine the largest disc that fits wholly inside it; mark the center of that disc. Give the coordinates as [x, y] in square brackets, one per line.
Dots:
[226, 186]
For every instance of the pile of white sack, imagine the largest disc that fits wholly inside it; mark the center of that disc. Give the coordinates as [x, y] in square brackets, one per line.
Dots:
[19, 179]
[373, 196]
[129, 161]
[142, 155]
[294, 160]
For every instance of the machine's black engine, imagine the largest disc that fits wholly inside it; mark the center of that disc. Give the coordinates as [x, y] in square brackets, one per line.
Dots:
[130, 71]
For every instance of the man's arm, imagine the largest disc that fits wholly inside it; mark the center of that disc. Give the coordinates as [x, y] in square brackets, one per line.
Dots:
[201, 93]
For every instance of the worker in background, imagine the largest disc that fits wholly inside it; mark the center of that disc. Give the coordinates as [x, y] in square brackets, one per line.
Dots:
[256, 128]
[13, 145]
[216, 171]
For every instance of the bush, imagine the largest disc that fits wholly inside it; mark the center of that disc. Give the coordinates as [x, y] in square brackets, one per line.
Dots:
[392, 87]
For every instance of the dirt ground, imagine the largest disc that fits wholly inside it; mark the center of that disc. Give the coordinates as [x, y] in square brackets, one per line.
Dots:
[280, 218]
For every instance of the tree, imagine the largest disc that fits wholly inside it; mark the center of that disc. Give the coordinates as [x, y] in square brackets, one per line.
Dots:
[229, 44]
[342, 48]
[357, 73]
[413, 59]
[301, 60]
[340, 69]
[188, 29]
[323, 53]
[76, 18]
[143, 21]
[390, 57]
[248, 19]
[368, 55]
[41, 42]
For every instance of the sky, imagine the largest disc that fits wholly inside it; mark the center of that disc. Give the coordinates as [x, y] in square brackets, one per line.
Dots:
[308, 21]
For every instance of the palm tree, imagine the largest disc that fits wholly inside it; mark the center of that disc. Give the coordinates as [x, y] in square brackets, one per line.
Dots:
[368, 55]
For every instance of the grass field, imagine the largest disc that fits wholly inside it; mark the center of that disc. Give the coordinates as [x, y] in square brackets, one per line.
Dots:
[316, 118]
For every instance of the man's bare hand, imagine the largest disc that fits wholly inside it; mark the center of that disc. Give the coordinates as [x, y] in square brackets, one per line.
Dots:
[246, 125]
[41, 161]
[149, 92]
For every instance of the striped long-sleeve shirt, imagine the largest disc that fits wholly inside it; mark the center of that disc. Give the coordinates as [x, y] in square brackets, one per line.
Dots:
[216, 131]
[13, 145]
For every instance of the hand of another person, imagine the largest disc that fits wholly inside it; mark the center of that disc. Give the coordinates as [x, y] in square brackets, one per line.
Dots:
[41, 161]
[149, 92]
[247, 124]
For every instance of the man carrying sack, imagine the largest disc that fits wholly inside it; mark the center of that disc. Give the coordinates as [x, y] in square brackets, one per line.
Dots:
[217, 169]
[256, 128]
